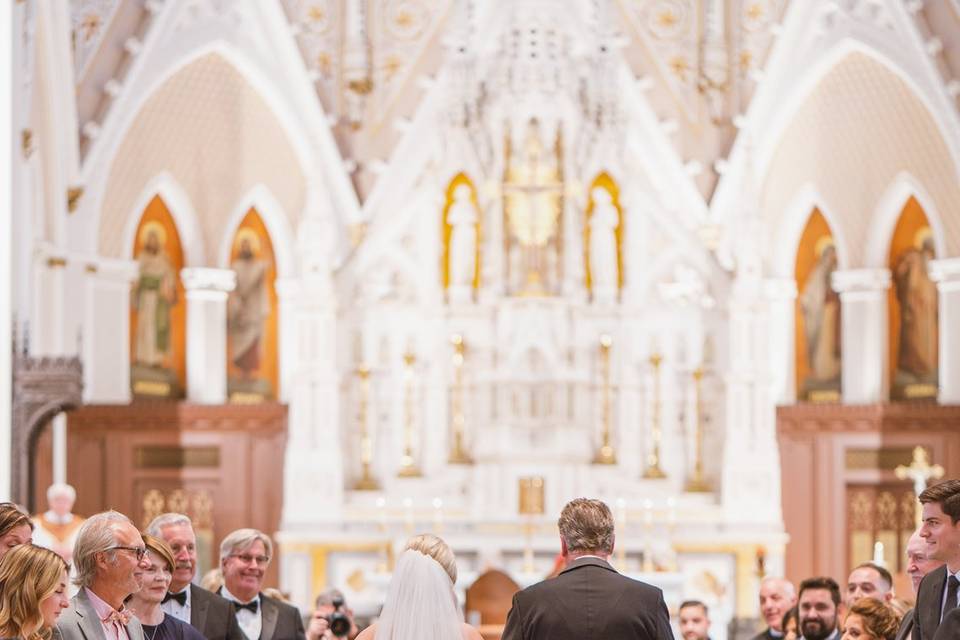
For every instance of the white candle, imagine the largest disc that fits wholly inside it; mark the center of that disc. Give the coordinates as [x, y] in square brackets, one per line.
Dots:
[621, 512]
[878, 553]
[438, 515]
[382, 513]
[648, 512]
[408, 514]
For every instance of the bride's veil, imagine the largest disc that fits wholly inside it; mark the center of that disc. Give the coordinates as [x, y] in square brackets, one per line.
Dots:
[421, 603]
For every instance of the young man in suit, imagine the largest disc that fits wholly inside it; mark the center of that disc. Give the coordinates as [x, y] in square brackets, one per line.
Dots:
[589, 599]
[212, 615]
[110, 557]
[244, 557]
[939, 592]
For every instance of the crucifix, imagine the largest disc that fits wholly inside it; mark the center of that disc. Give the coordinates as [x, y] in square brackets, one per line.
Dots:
[919, 472]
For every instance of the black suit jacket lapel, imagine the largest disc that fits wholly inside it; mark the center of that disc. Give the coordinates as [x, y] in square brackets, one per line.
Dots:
[931, 595]
[268, 617]
[198, 608]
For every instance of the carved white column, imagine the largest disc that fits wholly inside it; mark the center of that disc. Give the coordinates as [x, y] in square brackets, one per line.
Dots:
[781, 294]
[946, 273]
[106, 332]
[59, 432]
[46, 325]
[207, 291]
[863, 333]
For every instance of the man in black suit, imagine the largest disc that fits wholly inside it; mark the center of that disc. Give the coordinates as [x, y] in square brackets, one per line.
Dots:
[777, 596]
[212, 615]
[918, 565]
[939, 592]
[819, 600]
[589, 600]
[244, 557]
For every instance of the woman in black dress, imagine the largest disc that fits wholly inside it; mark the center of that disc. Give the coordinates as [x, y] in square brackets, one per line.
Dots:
[145, 604]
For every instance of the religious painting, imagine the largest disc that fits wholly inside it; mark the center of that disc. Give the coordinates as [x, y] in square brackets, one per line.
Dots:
[603, 240]
[818, 354]
[252, 369]
[158, 307]
[533, 204]
[912, 303]
[460, 266]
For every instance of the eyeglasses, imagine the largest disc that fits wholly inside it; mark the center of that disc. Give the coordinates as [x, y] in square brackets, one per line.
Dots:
[246, 558]
[140, 551]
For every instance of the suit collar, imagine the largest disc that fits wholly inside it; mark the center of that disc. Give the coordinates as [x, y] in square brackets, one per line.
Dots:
[89, 621]
[591, 561]
[933, 602]
[269, 612]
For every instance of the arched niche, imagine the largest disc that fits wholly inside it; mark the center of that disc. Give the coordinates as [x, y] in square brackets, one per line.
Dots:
[817, 315]
[158, 313]
[252, 316]
[606, 182]
[446, 266]
[912, 304]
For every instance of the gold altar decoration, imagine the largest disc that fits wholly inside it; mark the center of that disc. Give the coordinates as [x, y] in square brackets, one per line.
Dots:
[530, 505]
[653, 469]
[696, 483]
[366, 482]
[919, 472]
[605, 454]
[458, 455]
[408, 467]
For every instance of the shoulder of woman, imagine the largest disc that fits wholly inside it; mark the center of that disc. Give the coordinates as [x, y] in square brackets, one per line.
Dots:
[368, 633]
[469, 633]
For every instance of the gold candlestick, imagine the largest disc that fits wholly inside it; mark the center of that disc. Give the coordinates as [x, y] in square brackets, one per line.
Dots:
[457, 453]
[408, 467]
[605, 454]
[530, 505]
[366, 482]
[653, 469]
[697, 483]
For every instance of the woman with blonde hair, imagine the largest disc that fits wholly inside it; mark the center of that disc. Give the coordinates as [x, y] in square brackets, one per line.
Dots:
[421, 602]
[16, 528]
[870, 619]
[33, 592]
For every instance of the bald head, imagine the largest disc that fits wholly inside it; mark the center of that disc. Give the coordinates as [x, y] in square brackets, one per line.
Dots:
[918, 564]
[777, 596]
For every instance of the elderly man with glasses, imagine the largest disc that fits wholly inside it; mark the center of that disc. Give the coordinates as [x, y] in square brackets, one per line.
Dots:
[244, 557]
[110, 558]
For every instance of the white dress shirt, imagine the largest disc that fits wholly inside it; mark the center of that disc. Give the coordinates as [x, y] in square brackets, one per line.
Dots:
[178, 611]
[250, 623]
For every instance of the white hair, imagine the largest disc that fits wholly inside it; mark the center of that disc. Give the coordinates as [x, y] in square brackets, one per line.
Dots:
[155, 528]
[95, 536]
[61, 489]
[241, 540]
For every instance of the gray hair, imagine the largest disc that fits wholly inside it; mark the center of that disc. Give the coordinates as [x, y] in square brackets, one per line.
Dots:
[96, 535]
[167, 520]
[587, 525]
[328, 596]
[61, 489]
[242, 539]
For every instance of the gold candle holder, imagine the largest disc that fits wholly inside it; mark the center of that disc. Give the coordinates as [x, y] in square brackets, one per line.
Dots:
[530, 505]
[408, 467]
[458, 455]
[653, 469]
[366, 482]
[697, 483]
[605, 454]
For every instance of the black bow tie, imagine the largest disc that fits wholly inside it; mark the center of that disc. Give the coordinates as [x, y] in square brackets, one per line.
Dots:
[179, 597]
[253, 605]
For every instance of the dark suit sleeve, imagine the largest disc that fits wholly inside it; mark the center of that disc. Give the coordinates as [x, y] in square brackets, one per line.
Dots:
[513, 629]
[660, 620]
[301, 634]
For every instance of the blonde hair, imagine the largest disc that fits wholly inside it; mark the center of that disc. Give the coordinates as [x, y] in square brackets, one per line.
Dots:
[434, 547]
[28, 575]
[586, 525]
[11, 517]
[161, 548]
[212, 580]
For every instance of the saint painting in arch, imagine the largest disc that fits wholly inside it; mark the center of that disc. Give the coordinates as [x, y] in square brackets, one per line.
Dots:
[603, 240]
[913, 307]
[818, 314]
[157, 322]
[251, 315]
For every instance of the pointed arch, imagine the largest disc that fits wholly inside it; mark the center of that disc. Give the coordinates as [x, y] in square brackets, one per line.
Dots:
[275, 220]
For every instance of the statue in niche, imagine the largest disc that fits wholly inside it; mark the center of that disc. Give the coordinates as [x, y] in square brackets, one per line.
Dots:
[462, 218]
[820, 307]
[247, 310]
[603, 246]
[916, 374]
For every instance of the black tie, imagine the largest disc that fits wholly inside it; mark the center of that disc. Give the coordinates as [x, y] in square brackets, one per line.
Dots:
[253, 605]
[951, 603]
[179, 597]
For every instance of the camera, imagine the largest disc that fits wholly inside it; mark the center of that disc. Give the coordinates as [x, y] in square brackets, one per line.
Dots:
[339, 621]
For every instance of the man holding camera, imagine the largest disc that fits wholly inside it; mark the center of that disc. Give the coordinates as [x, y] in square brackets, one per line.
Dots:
[332, 618]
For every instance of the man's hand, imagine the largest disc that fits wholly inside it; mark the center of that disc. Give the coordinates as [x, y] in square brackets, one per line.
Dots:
[319, 628]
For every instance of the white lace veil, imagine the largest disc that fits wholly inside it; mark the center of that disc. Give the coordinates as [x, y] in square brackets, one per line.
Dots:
[421, 603]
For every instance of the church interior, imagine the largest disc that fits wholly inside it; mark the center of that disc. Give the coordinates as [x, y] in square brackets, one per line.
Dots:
[350, 270]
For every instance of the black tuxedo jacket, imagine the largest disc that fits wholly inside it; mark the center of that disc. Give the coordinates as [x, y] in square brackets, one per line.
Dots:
[906, 626]
[281, 621]
[765, 635]
[213, 616]
[589, 600]
[926, 615]
[949, 626]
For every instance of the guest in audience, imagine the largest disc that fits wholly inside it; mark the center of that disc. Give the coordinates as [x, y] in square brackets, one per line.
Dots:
[15, 527]
[918, 565]
[589, 598]
[212, 615]
[326, 604]
[870, 619]
[869, 580]
[212, 580]
[145, 604]
[57, 527]
[110, 558]
[938, 593]
[777, 596]
[694, 620]
[244, 557]
[33, 592]
[790, 624]
[421, 603]
[819, 599]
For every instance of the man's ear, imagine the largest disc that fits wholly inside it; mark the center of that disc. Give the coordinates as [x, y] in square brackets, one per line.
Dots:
[563, 547]
[613, 543]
